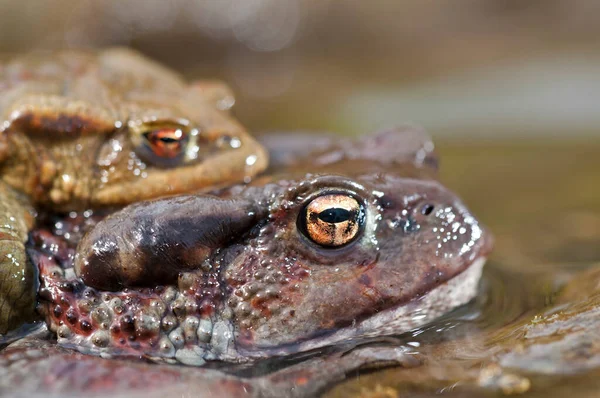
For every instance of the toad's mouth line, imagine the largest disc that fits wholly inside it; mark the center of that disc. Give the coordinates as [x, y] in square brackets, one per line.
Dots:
[406, 316]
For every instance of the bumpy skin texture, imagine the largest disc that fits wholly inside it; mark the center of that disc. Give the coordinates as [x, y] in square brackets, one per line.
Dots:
[85, 130]
[256, 285]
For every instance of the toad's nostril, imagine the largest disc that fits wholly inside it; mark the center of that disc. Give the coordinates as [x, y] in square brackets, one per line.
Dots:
[427, 209]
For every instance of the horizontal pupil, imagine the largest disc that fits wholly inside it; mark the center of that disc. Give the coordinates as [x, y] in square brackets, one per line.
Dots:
[334, 215]
[168, 140]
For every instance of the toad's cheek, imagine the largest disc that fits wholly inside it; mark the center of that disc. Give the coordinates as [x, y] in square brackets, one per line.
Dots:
[355, 309]
[422, 309]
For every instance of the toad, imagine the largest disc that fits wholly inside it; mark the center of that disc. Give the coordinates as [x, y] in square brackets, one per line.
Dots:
[83, 130]
[289, 263]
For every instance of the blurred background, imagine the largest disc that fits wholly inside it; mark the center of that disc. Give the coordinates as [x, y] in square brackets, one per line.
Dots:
[486, 68]
[510, 90]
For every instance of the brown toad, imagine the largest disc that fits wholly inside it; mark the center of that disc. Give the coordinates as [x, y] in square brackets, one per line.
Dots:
[83, 130]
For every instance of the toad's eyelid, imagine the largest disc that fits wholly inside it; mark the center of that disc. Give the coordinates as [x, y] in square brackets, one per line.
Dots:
[153, 120]
[317, 185]
[338, 189]
[145, 126]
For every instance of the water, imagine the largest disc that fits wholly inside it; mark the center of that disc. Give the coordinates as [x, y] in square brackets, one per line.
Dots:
[533, 329]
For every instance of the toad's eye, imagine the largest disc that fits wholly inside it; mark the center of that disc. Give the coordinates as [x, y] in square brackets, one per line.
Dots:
[162, 145]
[332, 220]
[168, 143]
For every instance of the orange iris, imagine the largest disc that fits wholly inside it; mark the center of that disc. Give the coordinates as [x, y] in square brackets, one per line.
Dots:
[167, 142]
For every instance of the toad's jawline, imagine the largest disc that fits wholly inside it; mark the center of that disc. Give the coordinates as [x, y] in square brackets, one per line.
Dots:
[407, 316]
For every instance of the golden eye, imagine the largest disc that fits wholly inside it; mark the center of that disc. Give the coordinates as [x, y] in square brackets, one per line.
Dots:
[332, 220]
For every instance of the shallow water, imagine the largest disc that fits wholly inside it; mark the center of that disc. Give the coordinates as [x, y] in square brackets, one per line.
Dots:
[533, 329]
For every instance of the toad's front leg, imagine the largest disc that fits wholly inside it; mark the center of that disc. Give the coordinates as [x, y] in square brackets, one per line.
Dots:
[17, 281]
